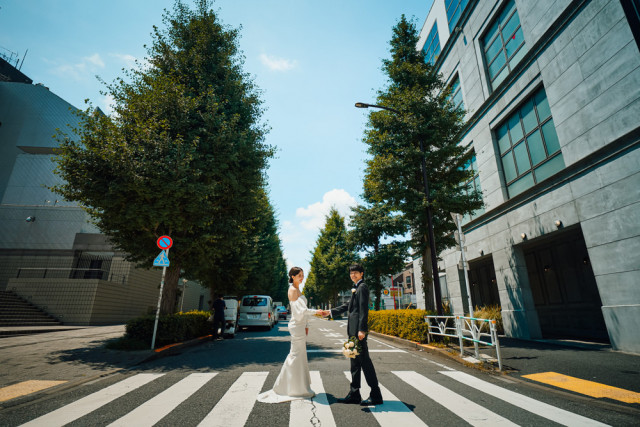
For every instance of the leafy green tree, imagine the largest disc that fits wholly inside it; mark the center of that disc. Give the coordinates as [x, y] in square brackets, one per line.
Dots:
[373, 225]
[268, 273]
[331, 259]
[183, 155]
[423, 113]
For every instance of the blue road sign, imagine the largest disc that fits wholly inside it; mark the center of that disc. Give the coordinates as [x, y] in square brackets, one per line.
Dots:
[161, 260]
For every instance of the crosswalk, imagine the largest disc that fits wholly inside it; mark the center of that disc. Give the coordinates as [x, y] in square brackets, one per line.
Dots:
[239, 401]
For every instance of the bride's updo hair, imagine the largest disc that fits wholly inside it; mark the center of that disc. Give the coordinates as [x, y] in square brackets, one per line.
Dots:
[294, 272]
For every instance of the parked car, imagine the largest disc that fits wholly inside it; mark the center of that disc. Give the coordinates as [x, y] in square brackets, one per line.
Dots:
[282, 312]
[256, 310]
[230, 316]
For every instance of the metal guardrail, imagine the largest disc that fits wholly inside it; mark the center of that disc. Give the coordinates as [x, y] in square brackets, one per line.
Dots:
[476, 330]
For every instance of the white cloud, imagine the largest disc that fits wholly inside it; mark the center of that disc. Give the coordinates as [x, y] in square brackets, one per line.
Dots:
[107, 104]
[313, 216]
[128, 60]
[277, 64]
[82, 70]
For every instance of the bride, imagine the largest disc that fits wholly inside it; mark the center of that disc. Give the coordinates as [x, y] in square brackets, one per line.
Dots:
[294, 381]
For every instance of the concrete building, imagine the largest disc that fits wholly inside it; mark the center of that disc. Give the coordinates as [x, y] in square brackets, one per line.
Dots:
[50, 253]
[552, 94]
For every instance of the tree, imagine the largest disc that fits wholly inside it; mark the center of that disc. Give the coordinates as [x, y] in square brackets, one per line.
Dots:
[183, 155]
[331, 259]
[424, 113]
[372, 225]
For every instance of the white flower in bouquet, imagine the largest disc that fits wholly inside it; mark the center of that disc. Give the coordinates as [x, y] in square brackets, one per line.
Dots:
[353, 290]
[352, 344]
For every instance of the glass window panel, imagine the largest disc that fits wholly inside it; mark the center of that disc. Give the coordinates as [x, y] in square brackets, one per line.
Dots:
[514, 42]
[522, 158]
[497, 63]
[503, 139]
[528, 117]
[509, 167]
[491, 33]
[550, 137]
[517, 57]
[542, 105]
[510, 27]
[536, 148]
[476, 182]
[549, 168]
[506, 12]
[474, 164]
[515, 128]
[500, 77]
[493, 49]
[457, 99]
[520, 185]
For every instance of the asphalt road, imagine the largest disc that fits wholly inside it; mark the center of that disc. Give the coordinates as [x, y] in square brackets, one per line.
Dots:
[215, 384]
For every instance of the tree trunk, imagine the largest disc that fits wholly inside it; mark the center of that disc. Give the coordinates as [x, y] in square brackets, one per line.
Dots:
[427, 279]
[170, 289]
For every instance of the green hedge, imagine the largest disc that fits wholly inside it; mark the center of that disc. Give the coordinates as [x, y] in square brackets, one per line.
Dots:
[172, 328]
[407, 324]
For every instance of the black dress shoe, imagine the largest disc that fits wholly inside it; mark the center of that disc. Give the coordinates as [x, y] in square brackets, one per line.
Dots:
[351, 398]
[371, 402]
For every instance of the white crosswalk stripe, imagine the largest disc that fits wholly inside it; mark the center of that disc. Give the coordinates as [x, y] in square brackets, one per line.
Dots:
[392, 412]
[236, 405]
[542, 409]
[316, 410]
[469, 411]
[161, 405]
[88, 404]
[239, 401]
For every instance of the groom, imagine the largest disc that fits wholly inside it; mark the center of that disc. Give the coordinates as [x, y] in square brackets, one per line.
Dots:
[358, 316]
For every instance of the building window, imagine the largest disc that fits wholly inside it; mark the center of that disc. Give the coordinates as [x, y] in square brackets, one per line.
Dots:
[431, 47]
[632, 11]
[473, 184]
[454, 11]
[503, 44]
[528, 145]
[456, 93]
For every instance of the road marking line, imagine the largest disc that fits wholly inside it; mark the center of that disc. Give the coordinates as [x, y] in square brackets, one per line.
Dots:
[590, 388]
[237, 403]
[392, 412]
[157, 408]
[528, 404]
[90, 403]
[314, 412]
[25, 387]
[383, 343]
[469, 411]
[330, 350]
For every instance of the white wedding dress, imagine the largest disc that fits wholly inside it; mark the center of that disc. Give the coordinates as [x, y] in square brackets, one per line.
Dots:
[294, 381]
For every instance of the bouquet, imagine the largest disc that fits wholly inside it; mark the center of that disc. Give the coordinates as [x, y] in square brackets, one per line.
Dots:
[351, 348]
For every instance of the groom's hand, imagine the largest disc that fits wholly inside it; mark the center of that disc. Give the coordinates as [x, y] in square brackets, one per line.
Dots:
[361, 335]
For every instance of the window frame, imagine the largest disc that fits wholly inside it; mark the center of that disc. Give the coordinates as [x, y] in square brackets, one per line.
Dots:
[460, 6]
[524, 139]
[435, 40]
[498, 24]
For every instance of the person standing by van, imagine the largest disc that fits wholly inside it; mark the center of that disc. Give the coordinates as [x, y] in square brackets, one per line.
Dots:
[218, 317]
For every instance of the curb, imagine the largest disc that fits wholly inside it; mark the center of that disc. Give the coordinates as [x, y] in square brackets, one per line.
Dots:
[444, 352]
[172, 349]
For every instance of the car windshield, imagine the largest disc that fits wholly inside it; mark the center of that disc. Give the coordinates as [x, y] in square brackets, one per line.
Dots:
[282, 308]
[254, 302]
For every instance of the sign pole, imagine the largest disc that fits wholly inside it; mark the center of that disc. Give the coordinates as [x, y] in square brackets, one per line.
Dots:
[155, 325]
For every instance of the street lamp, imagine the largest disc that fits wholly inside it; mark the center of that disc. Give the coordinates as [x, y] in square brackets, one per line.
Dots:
[432, 241]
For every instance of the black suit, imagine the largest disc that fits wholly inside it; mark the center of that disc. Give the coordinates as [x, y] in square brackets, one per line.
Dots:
[358, 316]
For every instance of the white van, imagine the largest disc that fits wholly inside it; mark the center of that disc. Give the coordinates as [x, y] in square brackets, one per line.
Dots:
[230, 316]
[256, 310]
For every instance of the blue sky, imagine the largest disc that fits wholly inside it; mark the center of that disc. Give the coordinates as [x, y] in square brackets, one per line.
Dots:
[312, 59]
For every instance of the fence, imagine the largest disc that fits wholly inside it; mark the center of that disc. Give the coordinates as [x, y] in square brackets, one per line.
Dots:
[478, 331]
